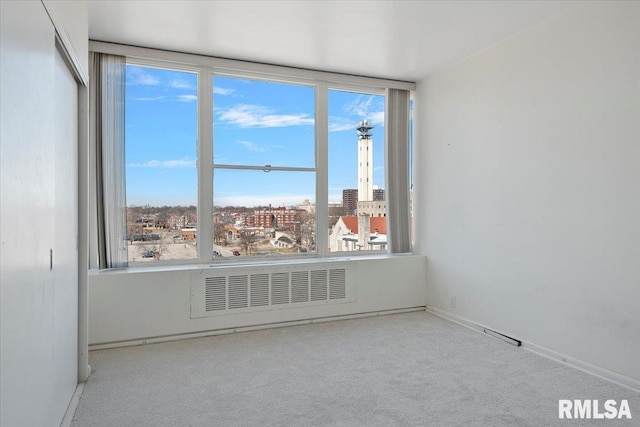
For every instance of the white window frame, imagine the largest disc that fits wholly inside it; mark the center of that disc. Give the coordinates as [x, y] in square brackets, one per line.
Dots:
[206, 69]
[313, 169]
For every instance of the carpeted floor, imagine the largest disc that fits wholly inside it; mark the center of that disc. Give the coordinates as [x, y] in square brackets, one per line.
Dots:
[413, 369]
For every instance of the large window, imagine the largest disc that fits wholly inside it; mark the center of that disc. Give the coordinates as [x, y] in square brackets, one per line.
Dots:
[224, 164]
[264, 168]
[357, 214]
[161, 115]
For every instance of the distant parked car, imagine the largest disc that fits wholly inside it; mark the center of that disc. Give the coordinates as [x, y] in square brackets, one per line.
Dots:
[236, 253]
[148, 254]
[138, 237]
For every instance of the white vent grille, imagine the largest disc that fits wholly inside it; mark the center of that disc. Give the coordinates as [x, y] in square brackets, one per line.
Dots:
[279, 288]
[259, 294]
[337, 283]
[300, 286]
[319, 285]
[236, 290]
[216, 293]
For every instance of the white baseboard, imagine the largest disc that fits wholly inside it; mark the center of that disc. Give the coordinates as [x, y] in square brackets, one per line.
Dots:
[155, 340]
[73, 405]
[578, 364]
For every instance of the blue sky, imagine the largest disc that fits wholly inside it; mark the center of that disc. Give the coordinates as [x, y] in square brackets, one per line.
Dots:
[255, 123]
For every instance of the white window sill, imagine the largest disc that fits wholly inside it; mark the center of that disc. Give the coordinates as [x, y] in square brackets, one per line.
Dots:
[242, 263]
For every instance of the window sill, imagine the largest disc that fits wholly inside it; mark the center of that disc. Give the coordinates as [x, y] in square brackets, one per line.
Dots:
[241, 263]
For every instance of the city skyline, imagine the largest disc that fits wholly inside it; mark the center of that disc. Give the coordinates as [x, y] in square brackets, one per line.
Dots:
[255, 123]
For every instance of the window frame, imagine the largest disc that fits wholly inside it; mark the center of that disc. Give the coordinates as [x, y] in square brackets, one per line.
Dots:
[207, 68]
[276, 168]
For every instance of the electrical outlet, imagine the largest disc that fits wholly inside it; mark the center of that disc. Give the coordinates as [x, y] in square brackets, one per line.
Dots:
[452, 302]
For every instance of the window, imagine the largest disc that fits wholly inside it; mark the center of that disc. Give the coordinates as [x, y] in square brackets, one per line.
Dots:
[225, 164]
[356, 172]
[264, 176]
[161, 116]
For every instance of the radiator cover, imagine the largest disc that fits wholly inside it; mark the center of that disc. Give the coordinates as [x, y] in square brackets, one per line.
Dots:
[222, 291]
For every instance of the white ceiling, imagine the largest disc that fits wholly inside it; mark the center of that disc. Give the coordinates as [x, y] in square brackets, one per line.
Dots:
[403, 40]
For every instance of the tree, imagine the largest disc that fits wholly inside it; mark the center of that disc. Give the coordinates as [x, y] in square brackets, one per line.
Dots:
[248, 242]
[219, 234]
[302, 230]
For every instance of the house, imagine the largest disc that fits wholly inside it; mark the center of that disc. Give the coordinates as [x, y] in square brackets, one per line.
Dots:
[346, 235]
[283, 239]
[188, 233]
[525, 173]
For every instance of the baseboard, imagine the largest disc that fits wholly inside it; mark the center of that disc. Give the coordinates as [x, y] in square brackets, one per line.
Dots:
[155, 340]
[586, 367]
[578, 364]
[73, 405]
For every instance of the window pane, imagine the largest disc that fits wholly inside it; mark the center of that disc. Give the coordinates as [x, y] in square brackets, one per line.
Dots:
[357, 210]
[263, 123]
[161, 131]
[260, 213]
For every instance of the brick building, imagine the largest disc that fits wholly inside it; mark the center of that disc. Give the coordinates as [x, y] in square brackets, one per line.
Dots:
[350, 201]
[275, 217]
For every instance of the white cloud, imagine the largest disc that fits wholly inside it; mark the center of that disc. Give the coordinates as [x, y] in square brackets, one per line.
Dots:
[187, 98]
[359, 106]
[364, 107]
[368, 108]
[376, 118]
[181, 98]
[180, 84]
[168, 164]
[222, 91]
[250, 146]
[137, 77]
[247, 116]
[152, 98]
[338, 124]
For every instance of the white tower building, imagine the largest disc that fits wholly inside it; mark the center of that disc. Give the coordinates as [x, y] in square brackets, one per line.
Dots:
[365, 162]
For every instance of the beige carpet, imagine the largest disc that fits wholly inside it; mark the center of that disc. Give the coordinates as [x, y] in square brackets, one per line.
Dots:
[413, 369]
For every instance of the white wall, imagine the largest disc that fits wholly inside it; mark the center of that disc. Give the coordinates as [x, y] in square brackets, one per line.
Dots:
[529, 186]
[38, 316]
[125, 306]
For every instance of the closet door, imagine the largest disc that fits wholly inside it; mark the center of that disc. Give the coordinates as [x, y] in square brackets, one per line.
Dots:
[38, 220]
[65, 261]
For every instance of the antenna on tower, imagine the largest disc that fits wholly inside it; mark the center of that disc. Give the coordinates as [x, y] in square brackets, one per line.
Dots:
[363, 130]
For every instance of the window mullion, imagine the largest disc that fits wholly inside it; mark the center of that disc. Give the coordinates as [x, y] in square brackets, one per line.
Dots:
[265, 168]
[205, 166]
[322, 168]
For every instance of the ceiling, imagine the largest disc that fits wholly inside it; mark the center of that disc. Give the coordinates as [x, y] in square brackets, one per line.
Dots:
[402, 40]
